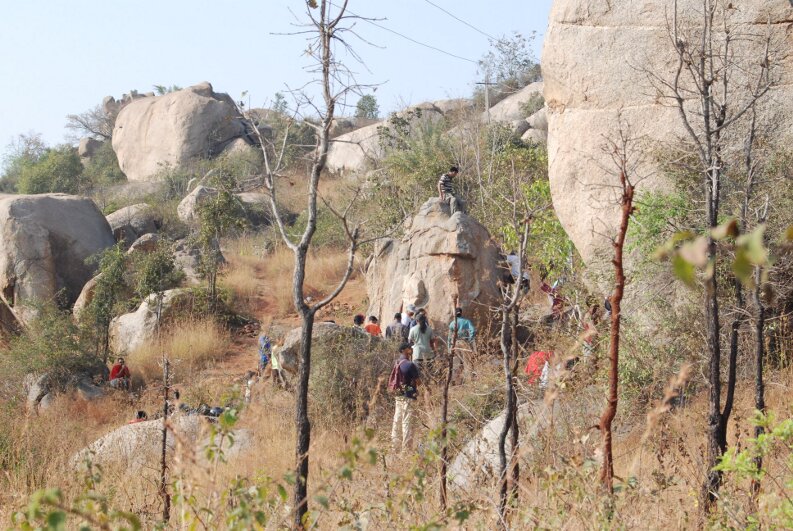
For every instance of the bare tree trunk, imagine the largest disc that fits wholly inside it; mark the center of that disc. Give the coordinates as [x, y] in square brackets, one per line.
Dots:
[606, 419]
[302, 422]
[503, 478]
[514, 428]
[445, 411]
[759, 354]
[164, 494]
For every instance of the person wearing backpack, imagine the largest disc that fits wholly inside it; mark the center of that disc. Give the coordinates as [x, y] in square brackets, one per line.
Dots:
[403, 382]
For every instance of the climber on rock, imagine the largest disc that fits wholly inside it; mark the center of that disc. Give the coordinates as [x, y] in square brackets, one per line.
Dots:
[446, 191]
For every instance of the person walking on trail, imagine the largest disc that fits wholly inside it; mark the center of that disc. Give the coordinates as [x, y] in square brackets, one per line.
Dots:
[119, 375]
[395, 329]
[466, 333]
[446, 191]
[373, 328]
[357, 322]
[422, 339]
[265, 352]
[404, 382]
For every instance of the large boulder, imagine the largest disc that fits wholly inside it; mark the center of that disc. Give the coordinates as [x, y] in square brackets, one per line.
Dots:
[160, 131]
[324, 332]
[132, 222]
[188, 208]
[512, 108]
[477, 464]
[133, 447]
[439, 257]
[132, 330]
[86, 297]
[358, 150]
[595, 65]
[45, 241]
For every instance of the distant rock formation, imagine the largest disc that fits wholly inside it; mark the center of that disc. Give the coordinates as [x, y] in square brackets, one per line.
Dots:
[356, 151]
[132, 222]
[45, 241]
[440, 256]
[594, 61]
[512, 109]
[154, 132]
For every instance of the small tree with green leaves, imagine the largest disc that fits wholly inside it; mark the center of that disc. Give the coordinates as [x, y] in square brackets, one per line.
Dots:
[58, 170]
[367, 107]
[108, 294]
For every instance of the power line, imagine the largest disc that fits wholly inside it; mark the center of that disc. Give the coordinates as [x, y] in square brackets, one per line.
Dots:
[411, 39]
[455, 17]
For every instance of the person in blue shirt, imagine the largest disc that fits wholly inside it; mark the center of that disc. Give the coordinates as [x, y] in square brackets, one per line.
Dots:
[465, 328]
[265, 351]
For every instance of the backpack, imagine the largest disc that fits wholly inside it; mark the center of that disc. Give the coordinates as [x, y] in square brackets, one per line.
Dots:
[397, 380]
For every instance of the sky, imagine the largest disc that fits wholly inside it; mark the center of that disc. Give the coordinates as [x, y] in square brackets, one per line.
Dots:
[62, 57]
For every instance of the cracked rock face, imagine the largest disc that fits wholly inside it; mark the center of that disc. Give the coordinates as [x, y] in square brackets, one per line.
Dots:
[439, 257]
[596, 59]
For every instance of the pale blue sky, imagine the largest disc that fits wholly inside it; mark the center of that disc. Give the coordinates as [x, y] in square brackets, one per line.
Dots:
[59, 57]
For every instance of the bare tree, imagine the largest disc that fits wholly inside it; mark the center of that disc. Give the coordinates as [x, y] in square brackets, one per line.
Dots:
[717, 81]
[94, 123]
[326, 31]
[620, 156]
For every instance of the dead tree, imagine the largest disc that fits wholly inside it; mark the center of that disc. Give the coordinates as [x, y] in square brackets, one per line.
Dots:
[445, 409]
[626, 210]
[326, 30]
[710, 55]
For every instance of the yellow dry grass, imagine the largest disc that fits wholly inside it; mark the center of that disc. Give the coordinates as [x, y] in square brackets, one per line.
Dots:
[190, 345]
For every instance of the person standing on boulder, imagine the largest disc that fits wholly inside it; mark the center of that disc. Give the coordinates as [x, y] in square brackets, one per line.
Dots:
[404, 382]
[446, 190]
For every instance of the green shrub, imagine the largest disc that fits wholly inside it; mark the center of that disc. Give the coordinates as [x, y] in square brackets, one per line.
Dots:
[58, 170]
[102, 168]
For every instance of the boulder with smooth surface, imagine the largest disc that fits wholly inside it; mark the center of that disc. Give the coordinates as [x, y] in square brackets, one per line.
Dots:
[188, 209]
[130, 331]
[45, 243]
[132, 222]
[598, 62]
[289, 353]
[152, 133]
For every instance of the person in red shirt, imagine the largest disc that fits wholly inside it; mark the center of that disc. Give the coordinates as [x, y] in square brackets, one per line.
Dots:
[119, 375]
[536, 368]
[141, 416]
[373, 328]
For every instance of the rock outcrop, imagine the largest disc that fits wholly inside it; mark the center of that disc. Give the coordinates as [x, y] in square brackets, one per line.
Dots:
[132, 330]
[45, 241]
[440, 256]
[187, 210]
[159, 131]
[358, 150]
[88, 147]
[289, 353]
[132, 222]
[512, 109]
[595, 61]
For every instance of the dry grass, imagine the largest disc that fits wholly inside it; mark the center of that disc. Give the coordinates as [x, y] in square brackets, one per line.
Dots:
[324, 269]
[190, 345]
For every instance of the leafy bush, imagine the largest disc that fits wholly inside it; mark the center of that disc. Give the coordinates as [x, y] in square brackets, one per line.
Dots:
[57, 170]
[51, 344]
[348, 374]
[102, 168]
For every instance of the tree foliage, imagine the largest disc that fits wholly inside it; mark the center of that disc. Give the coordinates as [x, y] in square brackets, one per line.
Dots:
[58, 170]
[367, 107]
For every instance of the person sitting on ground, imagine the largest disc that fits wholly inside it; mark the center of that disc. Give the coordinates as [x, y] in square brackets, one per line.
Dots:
[119, 375]
[446, 191]
[373, 328]
[140, 416]
[422, 338]
[404, 382]
[357, 322]
[395, 329]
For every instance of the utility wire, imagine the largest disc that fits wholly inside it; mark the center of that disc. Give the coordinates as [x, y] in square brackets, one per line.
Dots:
[455, 17]
[412, 39]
